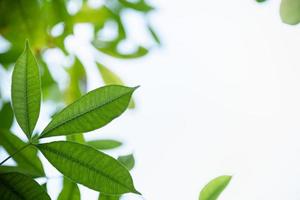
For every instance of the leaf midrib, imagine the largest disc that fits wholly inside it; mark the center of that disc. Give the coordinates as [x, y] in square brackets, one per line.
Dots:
[84, 113]
[68, 157]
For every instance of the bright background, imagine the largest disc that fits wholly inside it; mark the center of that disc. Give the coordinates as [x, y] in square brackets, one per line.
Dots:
[222, 96]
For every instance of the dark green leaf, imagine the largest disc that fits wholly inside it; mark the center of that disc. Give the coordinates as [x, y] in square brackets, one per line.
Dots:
[87, 166]
[70, 191]
[16, 186]
[6, 116]
[92, 111]
[109, 78]
[26, 91]
[27, 158]
[104, 144]
[127, 160]
[5, 169]
[214, 188]
[290, 11]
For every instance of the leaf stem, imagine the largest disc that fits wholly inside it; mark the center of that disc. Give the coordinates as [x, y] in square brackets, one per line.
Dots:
[19, 150]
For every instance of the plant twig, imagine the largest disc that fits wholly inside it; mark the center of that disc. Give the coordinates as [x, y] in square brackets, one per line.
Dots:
[15, 153]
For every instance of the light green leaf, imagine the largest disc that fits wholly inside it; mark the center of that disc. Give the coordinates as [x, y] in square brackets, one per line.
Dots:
[127, 160]
[6, 116]
[104, 144]
[92, 111]
[16, 186]
[214, 188]
[27, 158]
[86, 165]
[70, 191]
[26, 91]
[140, 5]
[109, 197]
[109, 77]
[290, 11]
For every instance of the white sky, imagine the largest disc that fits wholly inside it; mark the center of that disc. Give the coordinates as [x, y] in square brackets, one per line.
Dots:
[220, 97]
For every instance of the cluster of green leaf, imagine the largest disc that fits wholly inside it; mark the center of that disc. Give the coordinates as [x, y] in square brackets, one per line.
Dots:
[289, 11]
[35, 20]
[80, 163]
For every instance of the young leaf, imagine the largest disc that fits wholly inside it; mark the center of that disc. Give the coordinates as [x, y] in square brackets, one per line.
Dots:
[26, 91]
[6, 116]
[16, 186]
[87, 166]
[110, 78]
[27, 158]
[92, 111]
[70, 191]
[104, 144]
[127, 160]
[214, 188]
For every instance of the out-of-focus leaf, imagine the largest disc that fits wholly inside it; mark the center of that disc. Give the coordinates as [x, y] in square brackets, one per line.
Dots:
[260, 1]
[112, 50]
[87, 166]
[6, 116]
[214, 188]
[127, 160]
[140, 5]
[16, 186]
[50, 89]
[22, 20]
[92, 111]
[154, 34]
[104, 144]
[109, 78]
[26, 159]
[77, 84]
[26, 91]
[109, 197]
[290, 11]
[70, 191]
[5, 169]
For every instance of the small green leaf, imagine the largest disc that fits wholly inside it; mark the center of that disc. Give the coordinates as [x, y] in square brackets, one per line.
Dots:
[127, 160]
[109, 197]
[214, 188]
[290, 11]
[109, 78]
[6, 116]
[92, 111]
[26, 91]
[27, 158]
[70, 191]
[16, 186]
[260, 1]
[86, 165]
[154, 34]
[140, 5]
[104, 144]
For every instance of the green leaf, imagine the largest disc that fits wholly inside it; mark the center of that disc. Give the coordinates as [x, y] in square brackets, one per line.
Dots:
[27, 158]
[260, 1]
[140, 5]
[92, 111]
[290, 11]
[154, 34]
[109, 197]
[109, 77]
[214, 188]
[127, 160]
[6, 116]
[70, 191]
[16, 186]
[104, 144]
[86, 165]
[26, 91]
[5, 169]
